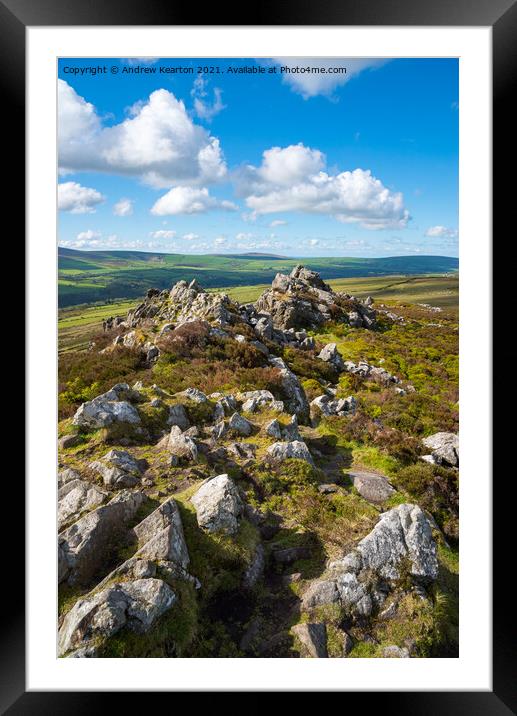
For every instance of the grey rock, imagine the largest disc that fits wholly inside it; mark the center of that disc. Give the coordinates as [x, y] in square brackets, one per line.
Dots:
[160, 535]
[255, 569]
[218, 505]
[178, 416]
[313, 637]
[445, 448]
[320, 592]
[330, 354]
[242, 451]
[273, 429]
[68, 441]
[75, 497]
[395, 652]
[296, 402]
[135, 605]
[193, 394]
[85, 545]
[67, 475]
[239, 425]
[280, 451]
[118, 469]
[181, 446]
[374, 488]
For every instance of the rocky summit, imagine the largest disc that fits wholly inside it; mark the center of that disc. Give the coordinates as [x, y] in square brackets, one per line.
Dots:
[272, 479]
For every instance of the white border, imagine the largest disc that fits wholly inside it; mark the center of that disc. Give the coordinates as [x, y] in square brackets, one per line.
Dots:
[472, 670]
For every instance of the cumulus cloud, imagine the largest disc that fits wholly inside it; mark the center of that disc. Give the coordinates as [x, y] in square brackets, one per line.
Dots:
[293, 179]
[203, 108]
[307, 81]
[124, 207]
[190, 237]
[162, 234]
[441, 232]
[77, 199]
[158, 142]
[188, 200]
[88, 235]
[278, 222]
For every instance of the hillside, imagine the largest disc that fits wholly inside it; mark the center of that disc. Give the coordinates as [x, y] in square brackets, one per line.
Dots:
[102, 276]
[276, 479]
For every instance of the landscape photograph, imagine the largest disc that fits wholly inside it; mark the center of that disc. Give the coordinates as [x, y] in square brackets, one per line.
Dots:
[258, 358]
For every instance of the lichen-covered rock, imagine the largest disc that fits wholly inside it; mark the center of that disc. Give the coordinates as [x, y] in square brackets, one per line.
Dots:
[85, 545]
[395, 652]
[135, 605]
[445, 448]
[67, 475]
[374, 488]
[218, 505]
[108, 408]
[297, 449]
[178, 416]
[330, 354]
[273, 429]
[181, 446]
[327, 406]
[118, 469]
[296, 402]
[193, 394]
[239, 425]
[313, 638]
[75, 497]
[160, 535]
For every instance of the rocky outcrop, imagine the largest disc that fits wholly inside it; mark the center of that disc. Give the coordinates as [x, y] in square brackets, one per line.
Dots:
[181, 447]
[327, 406]
[303, 300]
[238, 425]
[313, 638]
[296, 401]
[108, 408]
[403, 533]
[178, 416]
[445, 449]
[160, 535]
[365, 370]
[374, 488]
[297, 449]
[218, 505]
[75, 497]
[135, 605]
[330, 354]
[118, 469]
[85, 545]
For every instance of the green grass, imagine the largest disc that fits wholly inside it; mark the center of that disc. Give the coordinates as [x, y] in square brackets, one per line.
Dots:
[99, 276]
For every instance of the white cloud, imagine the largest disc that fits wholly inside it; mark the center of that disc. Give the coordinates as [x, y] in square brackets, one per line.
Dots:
[243, 236]
[202, 107]
[220, 240]
[308, 82]
[190, 237]
[158, 142]
[278, 222]
[292, 179]
[88, 235]
[313, 242]
[77, 199]
[441, 232]
[124, 207]
[188, 200]
[162, 234]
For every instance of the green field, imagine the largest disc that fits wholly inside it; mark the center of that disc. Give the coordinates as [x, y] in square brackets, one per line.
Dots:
[87, 277]
[78, 325]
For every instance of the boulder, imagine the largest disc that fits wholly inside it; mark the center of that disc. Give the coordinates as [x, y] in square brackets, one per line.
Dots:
[178, 416]
[255, 568]
[67, 475]
[330, 354]
[297, 449]
[273, 429]
[296, 402]
[181, 446]
[328, 407]
[395, 652]
[218, 505]
[160, 535]
[68, 441]
[135, 605]
[108, 408]
[118, 469]
[75, 497]
[85, 545]
[313, 638]
[445, 448]
[193, 394]
[374, 488]
[239, 425]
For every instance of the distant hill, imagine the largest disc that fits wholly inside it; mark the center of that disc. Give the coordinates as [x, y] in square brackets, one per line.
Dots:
[101, 276]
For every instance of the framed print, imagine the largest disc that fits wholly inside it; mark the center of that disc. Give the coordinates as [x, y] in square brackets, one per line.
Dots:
[259, 336]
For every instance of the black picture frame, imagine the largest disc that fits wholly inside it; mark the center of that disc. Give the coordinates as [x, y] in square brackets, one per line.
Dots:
[501, 16]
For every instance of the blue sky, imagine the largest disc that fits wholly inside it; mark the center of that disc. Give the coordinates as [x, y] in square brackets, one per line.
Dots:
[355, 163]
